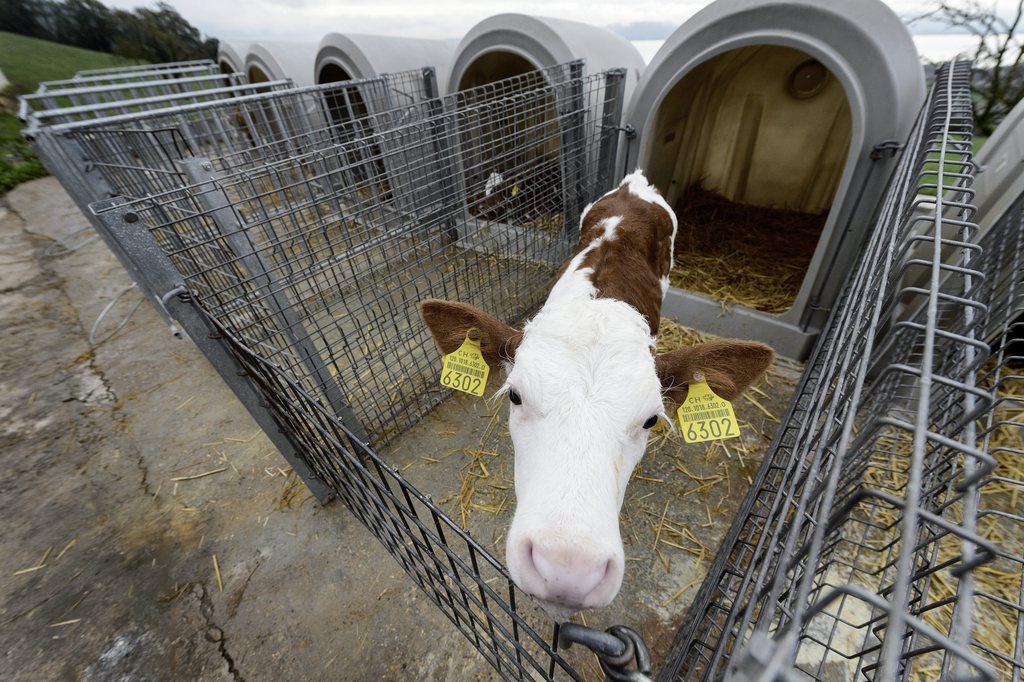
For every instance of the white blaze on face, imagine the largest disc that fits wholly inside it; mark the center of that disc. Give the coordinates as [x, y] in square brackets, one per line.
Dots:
[585, 375]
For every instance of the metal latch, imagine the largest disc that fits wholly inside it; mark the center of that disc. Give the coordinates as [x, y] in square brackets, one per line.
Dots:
[623, 655]
[628, 130]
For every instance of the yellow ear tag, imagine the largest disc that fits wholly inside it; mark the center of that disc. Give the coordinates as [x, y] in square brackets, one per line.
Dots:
[704, 416]
[515, 190]
[465, 369]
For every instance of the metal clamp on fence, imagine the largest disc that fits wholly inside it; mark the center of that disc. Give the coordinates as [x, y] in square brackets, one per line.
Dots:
[623, 655]
[180, 290]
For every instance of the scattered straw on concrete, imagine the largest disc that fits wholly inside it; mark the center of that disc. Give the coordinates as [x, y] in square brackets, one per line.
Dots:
[39, 565]
[65, 622]
[481, 490]
[202, 475]
[67, 548]
[748, 255]
[216, 570]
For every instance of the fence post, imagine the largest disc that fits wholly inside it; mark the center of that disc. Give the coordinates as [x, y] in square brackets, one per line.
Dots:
[213, 198]
[574, 153]
[147, 257]
[447, 171]
[611, 120]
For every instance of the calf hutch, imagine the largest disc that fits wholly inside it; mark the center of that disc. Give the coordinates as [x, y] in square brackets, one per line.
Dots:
[345, 56]
[771, 127]
[268, 61]
[231, 56]
[864, 524]
[508, 45]
[1001, 168]
[507, 174]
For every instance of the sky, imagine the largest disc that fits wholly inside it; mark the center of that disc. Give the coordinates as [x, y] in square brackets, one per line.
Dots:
[309, 20]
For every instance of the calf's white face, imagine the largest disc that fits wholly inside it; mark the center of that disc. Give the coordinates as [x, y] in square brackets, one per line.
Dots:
[583, 394]
[584, 388]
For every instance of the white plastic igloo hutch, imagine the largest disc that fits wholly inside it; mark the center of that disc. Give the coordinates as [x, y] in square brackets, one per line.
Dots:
[507, 45]
[231, 56]
[269, 61]
[353, 56]
[797, 106]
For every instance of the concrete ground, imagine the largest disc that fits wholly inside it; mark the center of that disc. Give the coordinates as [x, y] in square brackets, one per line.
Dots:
[107, 562]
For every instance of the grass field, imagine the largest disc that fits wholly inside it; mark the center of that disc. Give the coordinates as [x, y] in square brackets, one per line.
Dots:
[17, 162]
[26, 62]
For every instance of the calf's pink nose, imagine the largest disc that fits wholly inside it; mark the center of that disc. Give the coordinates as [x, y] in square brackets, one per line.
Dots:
[570, 576]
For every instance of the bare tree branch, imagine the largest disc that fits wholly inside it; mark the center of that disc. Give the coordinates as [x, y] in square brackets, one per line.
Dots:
[998, 56]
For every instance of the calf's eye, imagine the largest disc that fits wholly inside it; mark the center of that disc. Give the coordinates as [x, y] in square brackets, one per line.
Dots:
[515, 398]
[651, 422]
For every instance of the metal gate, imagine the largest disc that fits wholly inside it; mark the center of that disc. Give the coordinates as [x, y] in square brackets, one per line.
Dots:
[310, 281]
[132, 146]
[866, 546]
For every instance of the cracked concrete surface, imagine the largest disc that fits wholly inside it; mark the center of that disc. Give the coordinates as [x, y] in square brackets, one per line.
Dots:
[106, 561]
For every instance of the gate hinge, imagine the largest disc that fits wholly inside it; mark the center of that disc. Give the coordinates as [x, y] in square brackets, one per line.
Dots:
[888, 148]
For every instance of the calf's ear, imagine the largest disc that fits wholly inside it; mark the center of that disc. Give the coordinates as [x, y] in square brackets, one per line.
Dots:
[730, 366]
[449, 321]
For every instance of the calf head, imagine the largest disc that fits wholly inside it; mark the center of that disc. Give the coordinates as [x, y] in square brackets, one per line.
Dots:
[584, 388]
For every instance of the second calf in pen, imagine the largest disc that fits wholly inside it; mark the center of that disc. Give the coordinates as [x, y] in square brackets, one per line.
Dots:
[585, 387]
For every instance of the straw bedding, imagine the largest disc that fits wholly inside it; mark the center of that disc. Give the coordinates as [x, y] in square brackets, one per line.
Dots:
[747, 255]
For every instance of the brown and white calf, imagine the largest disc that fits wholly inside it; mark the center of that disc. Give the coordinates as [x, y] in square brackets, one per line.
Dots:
[585, 388]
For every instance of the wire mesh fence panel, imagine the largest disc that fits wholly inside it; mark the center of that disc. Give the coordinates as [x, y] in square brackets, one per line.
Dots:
[998, 618]
[37, 112]
[61, 104]
[311, 274]
[325, 240]
[66, 159]
[128, 69]
[860, 547]
[168, 70]
[139, 154]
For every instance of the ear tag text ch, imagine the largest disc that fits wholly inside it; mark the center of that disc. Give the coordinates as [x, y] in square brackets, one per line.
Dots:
[465, 369]
[704, 416]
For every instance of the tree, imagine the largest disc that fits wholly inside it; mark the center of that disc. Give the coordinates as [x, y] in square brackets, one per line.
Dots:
[154, 35]
[157, 35]
[998, 57]
[26, 17]
[84, 23]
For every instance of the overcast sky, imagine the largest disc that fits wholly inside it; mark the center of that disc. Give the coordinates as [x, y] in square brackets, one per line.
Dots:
[309, 20]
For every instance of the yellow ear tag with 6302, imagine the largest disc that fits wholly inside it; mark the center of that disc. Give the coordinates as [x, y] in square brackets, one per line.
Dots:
[465, 368]
[704, 416]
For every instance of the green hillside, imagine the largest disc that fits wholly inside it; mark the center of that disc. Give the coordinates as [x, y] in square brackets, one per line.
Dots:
[26, 62]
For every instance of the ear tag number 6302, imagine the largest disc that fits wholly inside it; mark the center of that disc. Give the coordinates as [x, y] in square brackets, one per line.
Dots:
[465, 369]
[704, 416]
